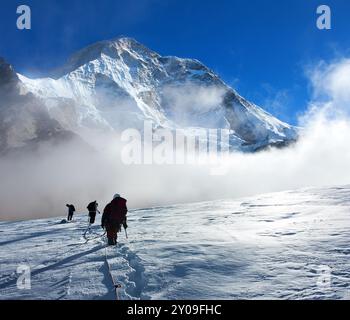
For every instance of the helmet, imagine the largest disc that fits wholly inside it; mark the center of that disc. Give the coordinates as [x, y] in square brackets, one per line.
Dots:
[116, 196]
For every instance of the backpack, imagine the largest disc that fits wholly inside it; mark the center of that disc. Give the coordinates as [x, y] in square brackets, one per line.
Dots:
[116, 211]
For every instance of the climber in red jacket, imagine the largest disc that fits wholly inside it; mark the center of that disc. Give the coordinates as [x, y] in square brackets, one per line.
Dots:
[114, 217]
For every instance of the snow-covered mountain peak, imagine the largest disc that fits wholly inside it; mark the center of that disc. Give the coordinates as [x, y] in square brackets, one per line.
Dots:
[114, 49]
[118, 84]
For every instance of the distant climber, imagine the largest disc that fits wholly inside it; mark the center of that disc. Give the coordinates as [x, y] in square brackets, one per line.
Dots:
[71, 210]
[92, 207]
[114, 217]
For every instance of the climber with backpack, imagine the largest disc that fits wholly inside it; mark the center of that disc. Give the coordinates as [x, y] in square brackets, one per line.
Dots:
[92, 207]
[114, 217]
[71, 210]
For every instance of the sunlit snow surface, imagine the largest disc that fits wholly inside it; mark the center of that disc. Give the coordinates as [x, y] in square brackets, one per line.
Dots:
[275, 246]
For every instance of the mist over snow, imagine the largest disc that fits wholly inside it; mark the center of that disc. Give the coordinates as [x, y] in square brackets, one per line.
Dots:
[191, 104]
[41, 183]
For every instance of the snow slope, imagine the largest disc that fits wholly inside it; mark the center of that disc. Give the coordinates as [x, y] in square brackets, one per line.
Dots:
[269, 246]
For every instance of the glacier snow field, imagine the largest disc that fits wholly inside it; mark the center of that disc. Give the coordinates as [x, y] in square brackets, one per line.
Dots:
[286, 245]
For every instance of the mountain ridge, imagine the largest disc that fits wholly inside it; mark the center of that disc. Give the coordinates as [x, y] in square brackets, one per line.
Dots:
[117, 84]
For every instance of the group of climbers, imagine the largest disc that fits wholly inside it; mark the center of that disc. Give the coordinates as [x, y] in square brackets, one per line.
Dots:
[113, 217]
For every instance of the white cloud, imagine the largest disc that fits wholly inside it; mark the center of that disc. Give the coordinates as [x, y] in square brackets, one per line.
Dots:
[187, 103]
[332, 82]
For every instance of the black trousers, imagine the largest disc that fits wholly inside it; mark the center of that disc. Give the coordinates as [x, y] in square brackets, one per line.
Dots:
[92, 216]
[70, 216]
[112, 232]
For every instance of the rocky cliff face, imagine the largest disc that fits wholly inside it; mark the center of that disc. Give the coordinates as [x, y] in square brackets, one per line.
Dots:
[24, 118]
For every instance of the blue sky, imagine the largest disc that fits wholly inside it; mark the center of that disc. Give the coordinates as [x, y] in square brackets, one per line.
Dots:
[261, 47]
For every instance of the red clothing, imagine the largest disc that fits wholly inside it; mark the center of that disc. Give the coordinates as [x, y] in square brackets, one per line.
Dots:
[114, 215]
[115, 212]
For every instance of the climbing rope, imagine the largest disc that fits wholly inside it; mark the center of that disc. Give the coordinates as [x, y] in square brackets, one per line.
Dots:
[87, 229]
[116, 286]
[97, 236]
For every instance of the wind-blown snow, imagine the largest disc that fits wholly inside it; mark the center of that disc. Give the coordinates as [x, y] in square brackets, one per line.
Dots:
[270, 246]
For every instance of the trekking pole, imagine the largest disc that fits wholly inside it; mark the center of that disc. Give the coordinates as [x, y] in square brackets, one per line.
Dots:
[126, 233]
